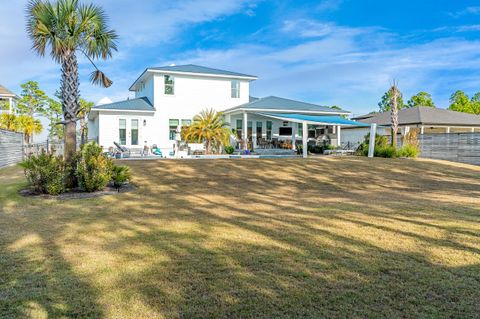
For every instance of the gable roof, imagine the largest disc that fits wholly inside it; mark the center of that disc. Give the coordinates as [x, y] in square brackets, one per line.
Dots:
[423, 115]
[275, 103]
[192, 69]
[6, 92]
[138, 104]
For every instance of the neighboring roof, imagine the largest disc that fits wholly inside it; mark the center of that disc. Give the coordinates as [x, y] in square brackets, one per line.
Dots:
[274, 103]
[423, 115]
[193, 69]
[6, 92]
[317, 119]
[138, 104]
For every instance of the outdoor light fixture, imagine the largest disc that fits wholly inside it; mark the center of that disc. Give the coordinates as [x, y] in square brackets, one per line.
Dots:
[144, 122]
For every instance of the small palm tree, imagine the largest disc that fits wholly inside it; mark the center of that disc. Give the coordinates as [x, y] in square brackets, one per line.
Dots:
[209, 127]
[29, 126]
[8, 122]
[67, 28]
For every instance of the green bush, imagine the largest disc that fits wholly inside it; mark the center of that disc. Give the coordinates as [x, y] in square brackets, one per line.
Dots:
[229, 149]
[94, 169]
[381, 142]
[408, 150]
[45, 172]
[387, 152]
[120, 175]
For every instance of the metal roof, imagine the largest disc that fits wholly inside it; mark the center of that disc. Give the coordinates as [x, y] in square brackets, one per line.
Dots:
[6, 92]
[274, 103]
[138, 104]
[423, 115]
[194, 70]
[318, 119]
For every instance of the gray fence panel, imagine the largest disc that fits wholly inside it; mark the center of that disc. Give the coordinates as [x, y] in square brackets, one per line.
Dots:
[457, 147]
[11, 148]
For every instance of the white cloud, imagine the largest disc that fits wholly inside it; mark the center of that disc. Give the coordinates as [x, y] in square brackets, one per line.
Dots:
[474, 10]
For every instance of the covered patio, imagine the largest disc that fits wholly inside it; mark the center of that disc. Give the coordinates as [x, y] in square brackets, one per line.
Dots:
[277, 123]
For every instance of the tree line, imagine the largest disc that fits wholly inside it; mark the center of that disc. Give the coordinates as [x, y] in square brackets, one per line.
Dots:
[34, 102]
[459, 101]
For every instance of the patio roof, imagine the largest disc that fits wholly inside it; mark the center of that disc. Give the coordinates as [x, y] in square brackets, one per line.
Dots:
[274, 104]
[315, 119]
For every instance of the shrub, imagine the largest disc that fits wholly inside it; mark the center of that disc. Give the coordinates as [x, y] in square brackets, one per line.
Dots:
[45, 172]
[408, 151]
[94, 169]
[387, 152]
[120, 175]
[229, 149]
[381, 142]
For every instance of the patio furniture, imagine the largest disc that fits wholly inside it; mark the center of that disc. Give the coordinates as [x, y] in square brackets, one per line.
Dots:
[122, 151]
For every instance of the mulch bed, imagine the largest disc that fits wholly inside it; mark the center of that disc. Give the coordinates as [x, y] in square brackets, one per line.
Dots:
[78, 193]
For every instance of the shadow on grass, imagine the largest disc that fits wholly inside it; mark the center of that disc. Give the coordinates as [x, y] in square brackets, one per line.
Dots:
[263, 239]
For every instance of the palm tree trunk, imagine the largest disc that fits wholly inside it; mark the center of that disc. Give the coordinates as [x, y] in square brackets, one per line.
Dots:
[83, 131]
[70, 106]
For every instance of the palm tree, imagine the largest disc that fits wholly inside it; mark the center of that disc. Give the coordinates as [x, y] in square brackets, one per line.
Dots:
[8, 121]
[85, 107]
[67, 28]
[394, 94]
[29, 126]
[209, 127]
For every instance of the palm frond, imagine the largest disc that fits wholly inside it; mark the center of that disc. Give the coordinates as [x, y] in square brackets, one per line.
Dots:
[97, 77]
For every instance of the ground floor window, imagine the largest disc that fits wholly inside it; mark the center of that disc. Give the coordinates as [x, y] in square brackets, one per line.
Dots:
[134, 132]
[173, 126]
[259, 129]
[239, 129]
[311, 131]
[186, 122]
[300, 129]
[269, 130]
[122, 131]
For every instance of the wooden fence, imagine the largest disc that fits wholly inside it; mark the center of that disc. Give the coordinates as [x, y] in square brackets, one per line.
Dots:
[11, 147]
[457, 147]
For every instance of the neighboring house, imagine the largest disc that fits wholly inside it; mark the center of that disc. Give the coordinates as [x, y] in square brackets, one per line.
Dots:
[168, 98]
[8, 100]
[426, 120]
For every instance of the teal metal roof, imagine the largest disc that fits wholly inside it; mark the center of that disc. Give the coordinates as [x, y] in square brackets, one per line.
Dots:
[138, 104]
[191, 68]
[278, 103]
[326, 119]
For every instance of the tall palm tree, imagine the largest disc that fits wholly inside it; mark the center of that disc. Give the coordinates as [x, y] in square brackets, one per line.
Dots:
[209, 127]
[28, 125]
[67, 28]
[8, 121]
[394, 93]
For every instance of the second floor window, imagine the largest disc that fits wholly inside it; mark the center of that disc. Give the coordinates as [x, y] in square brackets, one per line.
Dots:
[235, 84]
[169, 85]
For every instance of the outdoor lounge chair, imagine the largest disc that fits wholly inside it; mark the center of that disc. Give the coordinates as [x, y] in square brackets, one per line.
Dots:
[122, 151]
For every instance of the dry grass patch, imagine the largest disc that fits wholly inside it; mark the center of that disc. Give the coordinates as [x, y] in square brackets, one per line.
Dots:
[323, 237]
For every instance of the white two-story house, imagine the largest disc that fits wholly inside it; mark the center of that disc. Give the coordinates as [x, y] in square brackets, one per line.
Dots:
[167, 98]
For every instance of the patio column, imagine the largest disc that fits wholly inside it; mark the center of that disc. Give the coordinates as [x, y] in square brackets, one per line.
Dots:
[339, 143]
[422, 130]
[10, 105]
[472, 130]
[294, 135]
[448, 129]
[305, 139]
[245, 130]
[371, 144]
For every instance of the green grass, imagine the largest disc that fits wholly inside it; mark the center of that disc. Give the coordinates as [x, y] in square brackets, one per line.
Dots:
[323, 237]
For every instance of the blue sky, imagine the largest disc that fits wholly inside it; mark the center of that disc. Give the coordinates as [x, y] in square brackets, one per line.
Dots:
[330, 52]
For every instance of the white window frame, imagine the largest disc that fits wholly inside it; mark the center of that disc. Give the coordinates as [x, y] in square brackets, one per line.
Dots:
[235, 89]
[168, 85]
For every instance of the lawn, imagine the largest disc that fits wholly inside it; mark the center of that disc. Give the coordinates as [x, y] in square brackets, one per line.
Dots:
[323, 237]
